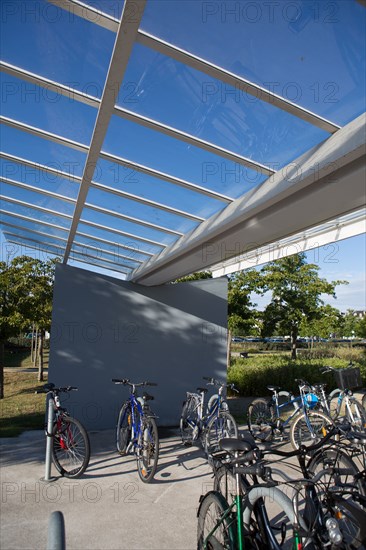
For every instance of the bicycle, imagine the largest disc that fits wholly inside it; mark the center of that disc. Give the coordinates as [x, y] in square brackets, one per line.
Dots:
[212, 426]
[137, 430]
[70, 440]
[265, 421]
[347, 379]
[235, 516]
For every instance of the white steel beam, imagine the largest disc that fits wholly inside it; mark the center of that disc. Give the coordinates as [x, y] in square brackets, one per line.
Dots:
[35, 207]
[95, 185]
[326, 182]
[146, 202]
[165, 177]
[63, 239]
[235, 81]
[123, 162]
[123, 45]
[38, 132]
[218, 73]
[332, 232]
[25, 204]
[51, 85]
[38, 190]
[42, 247]
[192, 140]
[91, 14]
[132, 219]
[122, 233]
[32, 220]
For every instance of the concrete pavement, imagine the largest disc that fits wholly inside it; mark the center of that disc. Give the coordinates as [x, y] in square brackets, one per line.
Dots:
[108, 507]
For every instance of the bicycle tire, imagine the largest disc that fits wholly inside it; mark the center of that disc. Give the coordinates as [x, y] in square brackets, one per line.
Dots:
[339, 469]
[212, 403]
[356, 414]
[333, 403]
[283, 507]
[189, 421]
[260, 419]
[299, 430]
[364, 401]
[220, 426]
[148, 449]
[210, 512]
[70, 447]
[351, 522]
[124, 428]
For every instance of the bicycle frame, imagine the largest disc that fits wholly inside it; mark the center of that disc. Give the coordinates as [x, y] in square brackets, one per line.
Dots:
[203, 419]
[298, 410]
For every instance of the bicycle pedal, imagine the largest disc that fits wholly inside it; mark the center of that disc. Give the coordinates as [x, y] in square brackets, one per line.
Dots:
[264, 436]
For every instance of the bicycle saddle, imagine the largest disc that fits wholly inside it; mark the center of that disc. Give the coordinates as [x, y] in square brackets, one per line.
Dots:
[204, 390]
[147, 396]
[273, 388]
[232, 444]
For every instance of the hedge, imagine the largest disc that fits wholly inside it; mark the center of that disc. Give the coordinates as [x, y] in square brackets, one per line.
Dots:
[251, 376]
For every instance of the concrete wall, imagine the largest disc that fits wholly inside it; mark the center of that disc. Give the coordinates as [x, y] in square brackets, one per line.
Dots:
[104, 328]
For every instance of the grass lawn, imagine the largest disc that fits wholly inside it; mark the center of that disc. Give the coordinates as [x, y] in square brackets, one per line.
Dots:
[21, 409]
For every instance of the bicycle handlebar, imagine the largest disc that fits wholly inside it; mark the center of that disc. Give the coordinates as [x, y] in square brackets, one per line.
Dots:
[50, 388]
[214, 382]
[126, 382]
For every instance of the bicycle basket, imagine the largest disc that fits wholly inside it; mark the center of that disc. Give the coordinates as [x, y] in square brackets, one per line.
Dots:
[348, 379]
[311, 400]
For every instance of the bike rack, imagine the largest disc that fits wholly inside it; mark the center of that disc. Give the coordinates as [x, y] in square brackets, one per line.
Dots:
[49, 434]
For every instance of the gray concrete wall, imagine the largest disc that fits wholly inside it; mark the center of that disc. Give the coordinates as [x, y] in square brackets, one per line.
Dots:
[104, 328]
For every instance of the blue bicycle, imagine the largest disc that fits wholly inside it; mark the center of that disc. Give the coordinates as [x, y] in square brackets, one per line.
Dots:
[137, 430]
[270, 419]
[211, 427]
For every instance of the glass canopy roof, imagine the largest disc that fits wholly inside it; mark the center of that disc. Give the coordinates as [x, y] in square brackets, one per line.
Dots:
[125, 126]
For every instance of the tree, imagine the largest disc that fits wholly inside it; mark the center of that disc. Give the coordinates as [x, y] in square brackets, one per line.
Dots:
[195, 277]
[26, 288]
[361, 327]
[328, 322]
[352, 324]
[296, 295]
[242, 317]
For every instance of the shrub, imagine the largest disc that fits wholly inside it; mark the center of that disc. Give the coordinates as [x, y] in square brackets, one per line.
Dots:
[252, 376]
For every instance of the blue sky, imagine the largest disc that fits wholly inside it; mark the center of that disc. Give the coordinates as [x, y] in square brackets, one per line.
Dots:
[341, 261]
[311, 53]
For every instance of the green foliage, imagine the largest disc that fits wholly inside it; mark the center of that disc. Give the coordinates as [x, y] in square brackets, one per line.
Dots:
[194, 277]
[242, 318]
[296, 295]
[327, 321]
[252, 376]
[353, 325]
[26, 287]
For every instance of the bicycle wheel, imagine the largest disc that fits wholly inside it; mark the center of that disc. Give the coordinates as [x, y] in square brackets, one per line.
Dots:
[269, 517]
[220, 426]
[189, 421]
[351, 522]
[148, 449]
[71, 447]
[339, 469]
[309, 428]
[356, 414]
[215, 532]
[260, 419]
[124, 425]
[333, 403]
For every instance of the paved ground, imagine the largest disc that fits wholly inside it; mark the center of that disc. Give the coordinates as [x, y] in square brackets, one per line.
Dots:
[109, 507]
